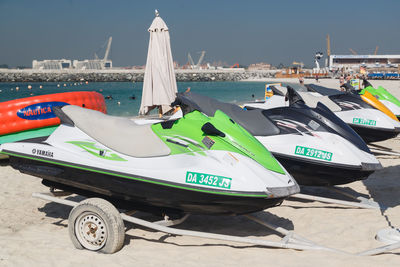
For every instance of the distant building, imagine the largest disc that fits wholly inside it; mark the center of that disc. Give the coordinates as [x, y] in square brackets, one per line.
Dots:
[92, 64]
[61, 64]
[51, 64]
[260, 66]
[87, 64]
[354, 62]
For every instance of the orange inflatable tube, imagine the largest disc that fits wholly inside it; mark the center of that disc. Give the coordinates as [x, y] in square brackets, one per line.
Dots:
[36, 112]
[370, 99]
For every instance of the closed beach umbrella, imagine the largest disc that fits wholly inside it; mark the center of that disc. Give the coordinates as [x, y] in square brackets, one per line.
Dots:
[159, 87]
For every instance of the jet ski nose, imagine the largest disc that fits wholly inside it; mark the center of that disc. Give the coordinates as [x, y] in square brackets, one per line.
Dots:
[274, 184]
[371, 166]
[283, 191]
[284, 185]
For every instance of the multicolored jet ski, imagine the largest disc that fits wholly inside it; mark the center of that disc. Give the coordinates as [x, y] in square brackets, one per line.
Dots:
[195, 164]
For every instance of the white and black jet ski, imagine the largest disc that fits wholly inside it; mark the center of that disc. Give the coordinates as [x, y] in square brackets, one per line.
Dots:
[315, 146]
[196, 164]
[370, 123]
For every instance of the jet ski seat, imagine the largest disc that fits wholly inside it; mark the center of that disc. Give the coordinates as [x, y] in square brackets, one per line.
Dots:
[120, 134]
[323, 90]
[312, 101]
[253, 121]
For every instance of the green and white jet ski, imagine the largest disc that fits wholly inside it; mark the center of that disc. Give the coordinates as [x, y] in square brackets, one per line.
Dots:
[195, 164]
[386, 98]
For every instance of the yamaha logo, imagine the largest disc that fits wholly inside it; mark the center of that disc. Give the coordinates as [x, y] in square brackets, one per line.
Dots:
[40, 152]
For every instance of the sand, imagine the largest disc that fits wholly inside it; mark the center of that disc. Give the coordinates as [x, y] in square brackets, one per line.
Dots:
[34, 232]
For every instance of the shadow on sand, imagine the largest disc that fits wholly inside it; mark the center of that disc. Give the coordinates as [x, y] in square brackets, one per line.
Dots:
[225, 225]
[384, 188]
[336, 193]
[59, 211]
[4, 162]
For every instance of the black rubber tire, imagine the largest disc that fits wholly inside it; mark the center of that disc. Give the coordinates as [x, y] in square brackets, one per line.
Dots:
[112, 220]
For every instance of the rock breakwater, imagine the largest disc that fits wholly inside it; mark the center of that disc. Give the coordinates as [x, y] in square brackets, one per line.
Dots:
[123, 75]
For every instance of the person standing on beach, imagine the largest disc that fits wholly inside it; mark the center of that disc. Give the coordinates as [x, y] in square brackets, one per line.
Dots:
[347, 86]
[316, 77]
[301, 81]
[348, 78]
[341, 83]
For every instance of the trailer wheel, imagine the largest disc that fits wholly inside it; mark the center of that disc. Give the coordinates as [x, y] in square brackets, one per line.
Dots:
[95, 224]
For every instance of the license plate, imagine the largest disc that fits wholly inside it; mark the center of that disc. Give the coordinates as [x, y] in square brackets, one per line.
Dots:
[208, 180]
[313, 153]
[364, 121]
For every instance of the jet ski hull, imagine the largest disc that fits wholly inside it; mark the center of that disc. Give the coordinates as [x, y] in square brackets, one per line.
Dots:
[140, 195]
[370, 134]
[307, 172]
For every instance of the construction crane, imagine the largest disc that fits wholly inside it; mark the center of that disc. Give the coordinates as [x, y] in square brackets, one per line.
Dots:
[328, 50]
[190, 59]
[107, 49]
[203, 53]
[352, 51]
[328, 45]
[106, 54]
[376, 50]
[191, 62]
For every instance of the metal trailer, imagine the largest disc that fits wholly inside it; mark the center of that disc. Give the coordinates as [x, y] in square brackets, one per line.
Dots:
[95, 224]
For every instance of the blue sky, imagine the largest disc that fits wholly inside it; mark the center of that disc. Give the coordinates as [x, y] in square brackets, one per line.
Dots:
[230, 31]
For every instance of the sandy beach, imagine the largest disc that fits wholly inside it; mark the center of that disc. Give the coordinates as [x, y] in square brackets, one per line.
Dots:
[34, 232]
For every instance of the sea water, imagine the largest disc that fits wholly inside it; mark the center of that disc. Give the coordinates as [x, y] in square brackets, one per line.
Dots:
[122, 93]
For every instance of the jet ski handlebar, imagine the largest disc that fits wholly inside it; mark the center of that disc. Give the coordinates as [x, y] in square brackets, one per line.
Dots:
[349, 88]
[188, 106]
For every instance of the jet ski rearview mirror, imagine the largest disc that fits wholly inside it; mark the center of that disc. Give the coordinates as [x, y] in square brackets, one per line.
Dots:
[210, 129]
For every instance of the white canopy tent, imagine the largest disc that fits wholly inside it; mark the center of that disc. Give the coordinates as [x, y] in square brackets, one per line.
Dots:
[159, 87]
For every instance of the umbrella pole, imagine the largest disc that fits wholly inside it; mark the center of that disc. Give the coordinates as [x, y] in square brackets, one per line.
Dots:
[160, 114]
